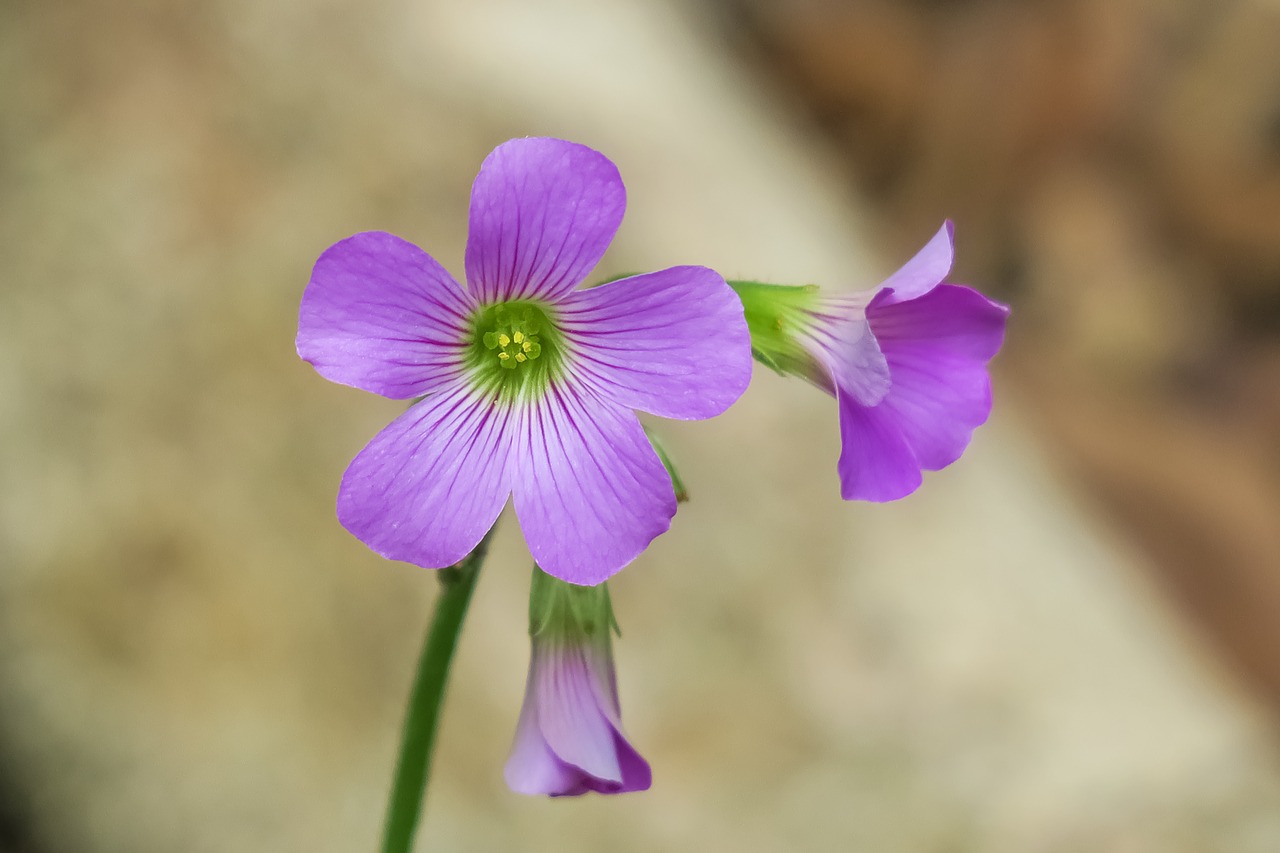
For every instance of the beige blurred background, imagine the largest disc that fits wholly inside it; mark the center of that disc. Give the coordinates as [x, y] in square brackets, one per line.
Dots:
[1066, 642]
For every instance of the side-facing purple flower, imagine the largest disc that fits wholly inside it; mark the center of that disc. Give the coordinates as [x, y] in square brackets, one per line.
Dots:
[569, 739]
[906, 362]
[529, 384]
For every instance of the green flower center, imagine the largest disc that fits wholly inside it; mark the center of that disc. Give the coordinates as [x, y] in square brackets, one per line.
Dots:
[515, 347]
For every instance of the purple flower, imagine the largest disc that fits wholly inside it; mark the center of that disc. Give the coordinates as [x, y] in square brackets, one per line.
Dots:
[569, 739]
[529, 384]
[906, 362]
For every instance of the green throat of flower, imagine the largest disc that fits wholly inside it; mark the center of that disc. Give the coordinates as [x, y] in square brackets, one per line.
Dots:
[515, 348]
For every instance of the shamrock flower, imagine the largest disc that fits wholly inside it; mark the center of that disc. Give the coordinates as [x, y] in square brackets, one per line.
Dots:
[529, 384]
[906, 362]
[569, 739]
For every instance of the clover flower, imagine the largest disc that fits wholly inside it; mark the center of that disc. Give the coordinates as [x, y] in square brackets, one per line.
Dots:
[529, 384]
[906, 362]
[569, 739]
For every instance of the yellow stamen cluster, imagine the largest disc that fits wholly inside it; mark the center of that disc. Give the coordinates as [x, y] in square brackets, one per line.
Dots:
[516, 344]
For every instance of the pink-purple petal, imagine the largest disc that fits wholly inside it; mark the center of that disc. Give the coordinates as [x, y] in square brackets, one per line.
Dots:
[846, 346]
[927, 269]
[431, 484]
[568, 741]
[673, 342]
[543, 211]
[569, 716]
[532, 768]
[381, 315]
[876, 464]
[937, 348]
[955, 319]
[938, 408]
[589, 490]
[636, 774]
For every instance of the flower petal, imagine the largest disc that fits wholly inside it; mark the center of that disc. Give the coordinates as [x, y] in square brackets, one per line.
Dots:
[532, 768]
[673, 342]
[636, 774]
[567, 743]
[543, 211]
[568, 716]
[430, 485]
[938, 347]
[876, 464]
[845, 345]
[955, 319]
[927, 269]
[590, 491]
[380, 314]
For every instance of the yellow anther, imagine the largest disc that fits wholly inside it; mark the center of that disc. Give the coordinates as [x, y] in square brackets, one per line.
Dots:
[520, 357]
[526, 346]
[517, 337]
[502, 356]
[503, 340]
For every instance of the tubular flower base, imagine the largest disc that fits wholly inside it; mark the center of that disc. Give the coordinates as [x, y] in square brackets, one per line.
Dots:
[906, 362]
[569, 739]
[529, 384]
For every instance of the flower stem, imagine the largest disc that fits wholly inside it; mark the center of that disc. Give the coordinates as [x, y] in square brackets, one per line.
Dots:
[423, 714]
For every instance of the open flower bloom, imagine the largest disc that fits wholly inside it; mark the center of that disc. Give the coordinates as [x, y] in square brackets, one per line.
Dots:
[569, 739]
[529, 384]
[906, 362]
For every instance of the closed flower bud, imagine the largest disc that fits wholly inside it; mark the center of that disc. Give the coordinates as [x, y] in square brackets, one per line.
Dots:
[569, 739]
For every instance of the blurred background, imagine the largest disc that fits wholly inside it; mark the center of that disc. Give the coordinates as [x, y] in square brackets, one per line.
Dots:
[1067, 641]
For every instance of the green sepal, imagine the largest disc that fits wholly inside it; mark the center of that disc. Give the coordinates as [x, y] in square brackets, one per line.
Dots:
[569, 611]
[774, 314]
[682, 493]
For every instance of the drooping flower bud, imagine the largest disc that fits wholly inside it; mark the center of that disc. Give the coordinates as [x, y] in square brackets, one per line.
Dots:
[569, 739]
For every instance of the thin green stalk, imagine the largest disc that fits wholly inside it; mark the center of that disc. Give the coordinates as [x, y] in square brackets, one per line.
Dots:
[422, 717]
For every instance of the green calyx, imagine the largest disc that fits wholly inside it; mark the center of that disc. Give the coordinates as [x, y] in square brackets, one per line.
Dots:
[677, 483]
[515, 348]
[775, 313]
[561, 610]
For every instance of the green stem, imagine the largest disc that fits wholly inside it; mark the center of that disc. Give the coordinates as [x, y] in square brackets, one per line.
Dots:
[423, 715]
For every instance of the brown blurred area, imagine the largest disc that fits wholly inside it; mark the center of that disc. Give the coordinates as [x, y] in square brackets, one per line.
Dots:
[1113, 167]
[1066, 642]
